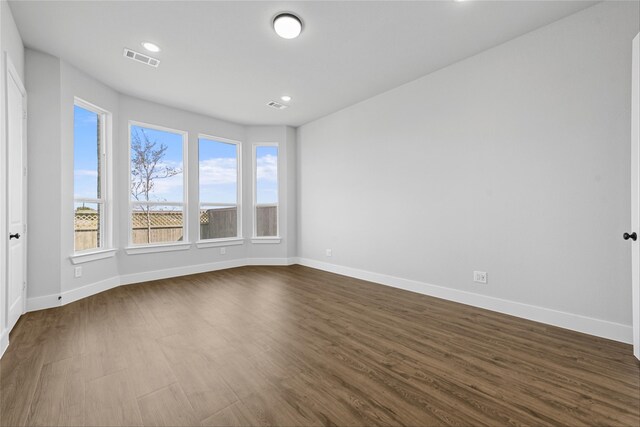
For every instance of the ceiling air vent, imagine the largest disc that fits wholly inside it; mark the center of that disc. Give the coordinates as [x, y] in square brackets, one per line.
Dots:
[141, 57]
[276, 105]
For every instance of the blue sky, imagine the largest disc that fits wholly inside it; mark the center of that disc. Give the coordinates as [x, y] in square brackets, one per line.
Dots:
[218, 171]
[85, 153]
[217, 165]
[267, 174]
[166, 189]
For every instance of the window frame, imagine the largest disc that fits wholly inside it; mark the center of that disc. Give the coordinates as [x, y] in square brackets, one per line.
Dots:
[163, 246]
[105, 121]
[255, 238]
[238, 204]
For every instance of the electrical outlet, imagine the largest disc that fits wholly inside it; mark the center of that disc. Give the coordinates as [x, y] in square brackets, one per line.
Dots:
[480, 276]
[223, 251]
[77, 272]
[329, 252]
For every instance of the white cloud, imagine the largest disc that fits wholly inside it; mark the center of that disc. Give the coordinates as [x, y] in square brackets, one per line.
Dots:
[168, 189]
[218, 171]
[267, 168]
[214, 172]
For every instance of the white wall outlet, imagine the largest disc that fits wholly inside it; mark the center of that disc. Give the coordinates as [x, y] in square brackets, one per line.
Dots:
[223, 251]
[329, 252]
[480, 276]
[77, 272]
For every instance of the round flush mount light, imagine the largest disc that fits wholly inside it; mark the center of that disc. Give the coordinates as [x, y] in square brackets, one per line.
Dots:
[287, 25]
[151, 47]
[285, 98]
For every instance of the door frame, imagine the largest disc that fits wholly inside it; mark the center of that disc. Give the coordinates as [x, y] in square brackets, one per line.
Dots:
[635, 189]
[4, 338]
[10, 72]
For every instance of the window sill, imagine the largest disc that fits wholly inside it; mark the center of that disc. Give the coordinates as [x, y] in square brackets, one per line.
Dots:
[216, 243]
[81, 258]
[266, 240]
[149, 249]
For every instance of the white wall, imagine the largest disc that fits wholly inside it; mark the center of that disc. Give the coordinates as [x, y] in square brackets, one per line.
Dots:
[285, 137]
[290, 179]
[44, 157]
[156, 114]
[52, 85]
[74, 83]
[514, 161]
[11, 40]
[11, 44]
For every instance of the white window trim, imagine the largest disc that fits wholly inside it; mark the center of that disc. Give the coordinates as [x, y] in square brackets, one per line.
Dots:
[106, 217]
[255, 238]
[154, 248]
[216, 243]
[81, 258]
[160, 247]
[266, 240]
[238, 144]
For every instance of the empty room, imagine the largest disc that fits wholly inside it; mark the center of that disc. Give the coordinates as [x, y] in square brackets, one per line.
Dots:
[320, 213]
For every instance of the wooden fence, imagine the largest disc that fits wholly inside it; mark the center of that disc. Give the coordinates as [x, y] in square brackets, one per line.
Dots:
[163, 227]
[156, 227]
[266, 221]
[218, 223]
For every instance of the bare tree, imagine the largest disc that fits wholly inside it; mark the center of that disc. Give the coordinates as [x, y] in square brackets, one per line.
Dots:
[146, 168]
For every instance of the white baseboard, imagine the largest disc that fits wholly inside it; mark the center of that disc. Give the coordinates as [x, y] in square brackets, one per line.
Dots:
[43, 302]
[575, 322]
[271, 261]
[88, 290]
[57, 300]
[146, 276]
[4, 341]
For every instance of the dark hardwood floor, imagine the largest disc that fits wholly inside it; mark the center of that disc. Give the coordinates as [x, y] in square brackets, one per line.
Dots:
[293, 346]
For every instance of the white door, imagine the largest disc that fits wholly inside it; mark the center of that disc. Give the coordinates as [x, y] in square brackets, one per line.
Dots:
[16, 112]
[635, 195]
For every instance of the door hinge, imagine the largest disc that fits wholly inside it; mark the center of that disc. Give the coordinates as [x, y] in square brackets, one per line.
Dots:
[24, 285]
[24, 171]
[24, 115]
[24, 228]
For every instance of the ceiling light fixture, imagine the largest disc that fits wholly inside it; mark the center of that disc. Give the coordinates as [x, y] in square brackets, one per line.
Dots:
[287, 25]
[151, 47]
[285, 98]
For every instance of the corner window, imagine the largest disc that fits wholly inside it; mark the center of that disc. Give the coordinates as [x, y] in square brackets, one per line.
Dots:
[157, 185]
[266, 190]
[90, 177]
[219, 177]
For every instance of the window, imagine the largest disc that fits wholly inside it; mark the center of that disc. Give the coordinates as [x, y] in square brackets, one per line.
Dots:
[89, 177]
[219, 174]
[157, 185]
[266, 190]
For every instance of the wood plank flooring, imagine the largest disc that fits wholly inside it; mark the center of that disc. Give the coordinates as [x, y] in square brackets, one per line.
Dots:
[293, 346]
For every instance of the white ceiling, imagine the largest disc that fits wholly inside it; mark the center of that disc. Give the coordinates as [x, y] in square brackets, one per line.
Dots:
[223, 59]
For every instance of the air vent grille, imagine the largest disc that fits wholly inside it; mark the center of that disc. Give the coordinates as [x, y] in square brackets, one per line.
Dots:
[276, 105]
[141, 57]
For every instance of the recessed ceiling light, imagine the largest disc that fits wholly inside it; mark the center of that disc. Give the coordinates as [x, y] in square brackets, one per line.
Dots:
[287, 25]
[285, 98]
[151, 47]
